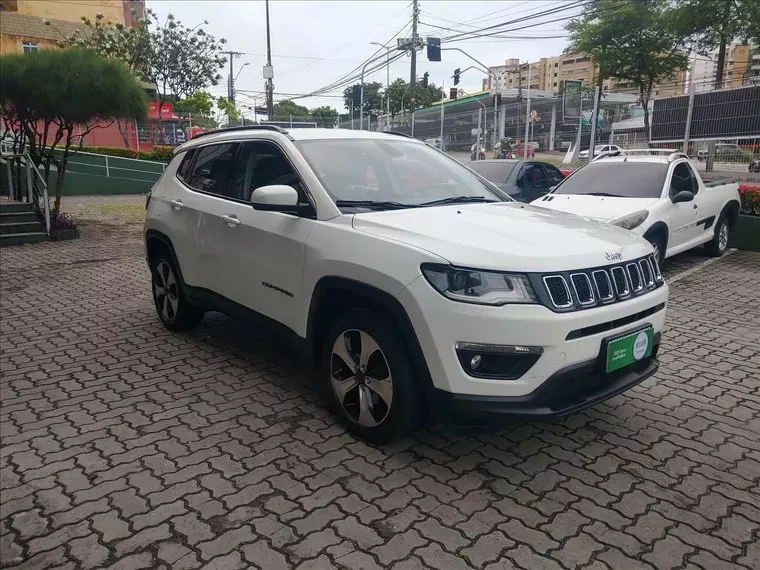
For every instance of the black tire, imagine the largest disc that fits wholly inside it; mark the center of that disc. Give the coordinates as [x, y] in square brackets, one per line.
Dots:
[405, 411]
[659, 248]
[172, 307]
[718, 245]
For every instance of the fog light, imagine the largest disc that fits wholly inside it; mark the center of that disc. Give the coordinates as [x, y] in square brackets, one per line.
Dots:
[475, 362]
[498, 362]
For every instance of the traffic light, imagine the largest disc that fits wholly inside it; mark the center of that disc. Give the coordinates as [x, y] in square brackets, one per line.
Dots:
[356, 95]
[434, 49]
[456, 76]
[425, 79]
[453, 92]
[497, 100]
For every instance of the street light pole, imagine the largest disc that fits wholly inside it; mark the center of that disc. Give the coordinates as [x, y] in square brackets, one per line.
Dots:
[387, 81]
[270, 85]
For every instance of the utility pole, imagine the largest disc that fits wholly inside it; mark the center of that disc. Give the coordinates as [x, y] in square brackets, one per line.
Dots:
[441, 137]
[690, 110]
[413, 75]
[269, 71]
[593, 123]
[231, 84]
[527, 114]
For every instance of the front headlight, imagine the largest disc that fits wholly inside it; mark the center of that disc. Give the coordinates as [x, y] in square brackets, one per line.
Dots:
[481, 287]
[631, 221]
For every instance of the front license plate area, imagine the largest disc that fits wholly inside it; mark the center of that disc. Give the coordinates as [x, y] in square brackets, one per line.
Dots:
[628, 349]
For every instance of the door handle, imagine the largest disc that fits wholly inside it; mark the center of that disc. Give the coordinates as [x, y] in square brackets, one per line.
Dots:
[231, 220]
[695, 206]
[178, 205]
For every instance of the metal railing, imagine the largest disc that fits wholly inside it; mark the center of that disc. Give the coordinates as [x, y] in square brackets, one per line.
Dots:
[36, 191]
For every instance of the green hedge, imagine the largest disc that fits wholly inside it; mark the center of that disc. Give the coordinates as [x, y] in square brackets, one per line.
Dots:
[159, 153]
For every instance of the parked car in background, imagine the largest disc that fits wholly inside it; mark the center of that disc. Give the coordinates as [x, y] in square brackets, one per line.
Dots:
[436, 143]
[444, 299]
[661, 198]
[725, 152]
[522, 180]
[519, 151]
[601, 150]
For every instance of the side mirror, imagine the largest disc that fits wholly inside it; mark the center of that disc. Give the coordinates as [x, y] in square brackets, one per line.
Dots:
[277, 198]
[683, 196]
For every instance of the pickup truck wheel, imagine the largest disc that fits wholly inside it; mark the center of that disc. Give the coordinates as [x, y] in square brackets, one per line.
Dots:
[659, 248]
[719, 243]
[371, 377]
[172, 306]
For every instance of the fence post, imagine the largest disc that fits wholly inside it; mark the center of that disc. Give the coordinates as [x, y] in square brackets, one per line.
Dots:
[11, 190]
[593, 123]
[108, 173]
[29, 190]
[689, 112]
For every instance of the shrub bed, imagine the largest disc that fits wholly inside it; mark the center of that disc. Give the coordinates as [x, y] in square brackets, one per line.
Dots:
[750, 199]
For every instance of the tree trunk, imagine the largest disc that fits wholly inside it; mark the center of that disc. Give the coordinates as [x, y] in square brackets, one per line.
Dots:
[59, 188]
[644, 97]
[723, 42]
[124, 131]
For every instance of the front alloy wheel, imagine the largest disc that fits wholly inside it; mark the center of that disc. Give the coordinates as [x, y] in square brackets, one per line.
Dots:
[361, 378]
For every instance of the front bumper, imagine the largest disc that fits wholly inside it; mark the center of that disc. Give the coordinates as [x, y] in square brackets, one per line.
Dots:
[569, 390]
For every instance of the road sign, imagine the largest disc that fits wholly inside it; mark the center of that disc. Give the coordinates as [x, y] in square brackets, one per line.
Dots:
[461, 92]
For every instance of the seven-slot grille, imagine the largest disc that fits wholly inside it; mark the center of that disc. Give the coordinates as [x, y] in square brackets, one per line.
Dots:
[586, 288]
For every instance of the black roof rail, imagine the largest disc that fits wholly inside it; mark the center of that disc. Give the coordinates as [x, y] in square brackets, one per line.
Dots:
[243, 128]
[397, 133]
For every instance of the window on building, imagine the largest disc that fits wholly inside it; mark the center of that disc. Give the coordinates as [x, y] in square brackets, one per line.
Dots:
[568, 61]
[582, 59]
[556, 64]
[26, 47]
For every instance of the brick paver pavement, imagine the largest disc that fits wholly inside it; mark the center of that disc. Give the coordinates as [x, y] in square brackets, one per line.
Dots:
[126, 446]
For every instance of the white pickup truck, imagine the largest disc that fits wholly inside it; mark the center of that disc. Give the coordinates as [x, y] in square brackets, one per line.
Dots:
[657, 195]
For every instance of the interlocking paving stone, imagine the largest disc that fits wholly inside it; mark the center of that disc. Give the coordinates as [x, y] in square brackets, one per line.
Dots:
[126, 446]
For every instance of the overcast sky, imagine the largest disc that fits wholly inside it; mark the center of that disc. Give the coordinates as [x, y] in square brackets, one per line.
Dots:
[315, 42]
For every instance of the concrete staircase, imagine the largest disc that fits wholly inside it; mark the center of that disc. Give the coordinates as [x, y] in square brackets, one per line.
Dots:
[20, 224]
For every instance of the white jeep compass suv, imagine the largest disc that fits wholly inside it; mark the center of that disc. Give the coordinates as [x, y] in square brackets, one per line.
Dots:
[415, 286]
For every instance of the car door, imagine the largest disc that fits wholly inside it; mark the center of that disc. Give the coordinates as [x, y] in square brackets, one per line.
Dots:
[553, 175]
[205, 188]
[263, 252]
[683, 215]
[532, 182]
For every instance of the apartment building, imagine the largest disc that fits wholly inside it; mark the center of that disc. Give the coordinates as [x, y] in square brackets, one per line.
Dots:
[550, 73]
[741, 66]
[23, 27]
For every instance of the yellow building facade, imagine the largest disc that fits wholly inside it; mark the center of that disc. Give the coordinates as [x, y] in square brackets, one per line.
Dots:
[23, 28]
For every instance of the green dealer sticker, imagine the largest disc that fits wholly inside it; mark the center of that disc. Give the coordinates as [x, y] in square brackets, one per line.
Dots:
[629, 349]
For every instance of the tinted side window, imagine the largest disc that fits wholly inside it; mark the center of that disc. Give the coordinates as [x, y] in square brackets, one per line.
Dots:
[263, 164]
[532, 176]
[553, 175]
[681, 180]
[213, 168]
[183, 171]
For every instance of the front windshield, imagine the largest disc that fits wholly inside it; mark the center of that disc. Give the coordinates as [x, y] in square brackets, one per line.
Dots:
[496, 172]
[400, 172]
[617, 179]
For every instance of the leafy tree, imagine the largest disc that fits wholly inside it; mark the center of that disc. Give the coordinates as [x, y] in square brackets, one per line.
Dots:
[325, 116]
[284, 110]
[717, 23]
[227, 113]
[426, 96]
[372, 98]
[50, 98]
[183, 60]
[130, 45]
[398, 93]
[200, 106]
[638, 41]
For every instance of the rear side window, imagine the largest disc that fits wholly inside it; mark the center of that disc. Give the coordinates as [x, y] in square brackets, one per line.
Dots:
[213, 168]
[183, 172]
[682, 180]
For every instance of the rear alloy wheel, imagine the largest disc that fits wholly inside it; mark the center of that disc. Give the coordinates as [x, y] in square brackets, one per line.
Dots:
[171, 304]
[719, 243]
[371, 377]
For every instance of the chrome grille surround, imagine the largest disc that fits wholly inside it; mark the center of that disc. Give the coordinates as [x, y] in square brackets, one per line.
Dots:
[635, 279]
[587, 288]
[557, 298]
[584, 292]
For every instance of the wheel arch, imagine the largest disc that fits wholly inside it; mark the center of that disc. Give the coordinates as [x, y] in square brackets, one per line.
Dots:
[157, 242]
[333, 295]
[731, 211]
[659, 230]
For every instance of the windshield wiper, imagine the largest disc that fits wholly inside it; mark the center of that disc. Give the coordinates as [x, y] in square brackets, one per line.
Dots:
[458, 200]
[373, 204]
[604, 194]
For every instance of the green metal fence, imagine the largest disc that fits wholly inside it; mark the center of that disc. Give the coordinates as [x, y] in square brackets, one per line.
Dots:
[97, 174]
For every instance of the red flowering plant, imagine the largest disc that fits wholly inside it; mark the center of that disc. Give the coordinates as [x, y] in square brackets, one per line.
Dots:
[750, 197]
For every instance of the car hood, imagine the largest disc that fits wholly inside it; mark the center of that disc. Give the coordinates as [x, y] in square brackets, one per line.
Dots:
[601, 208]
[507, 236]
